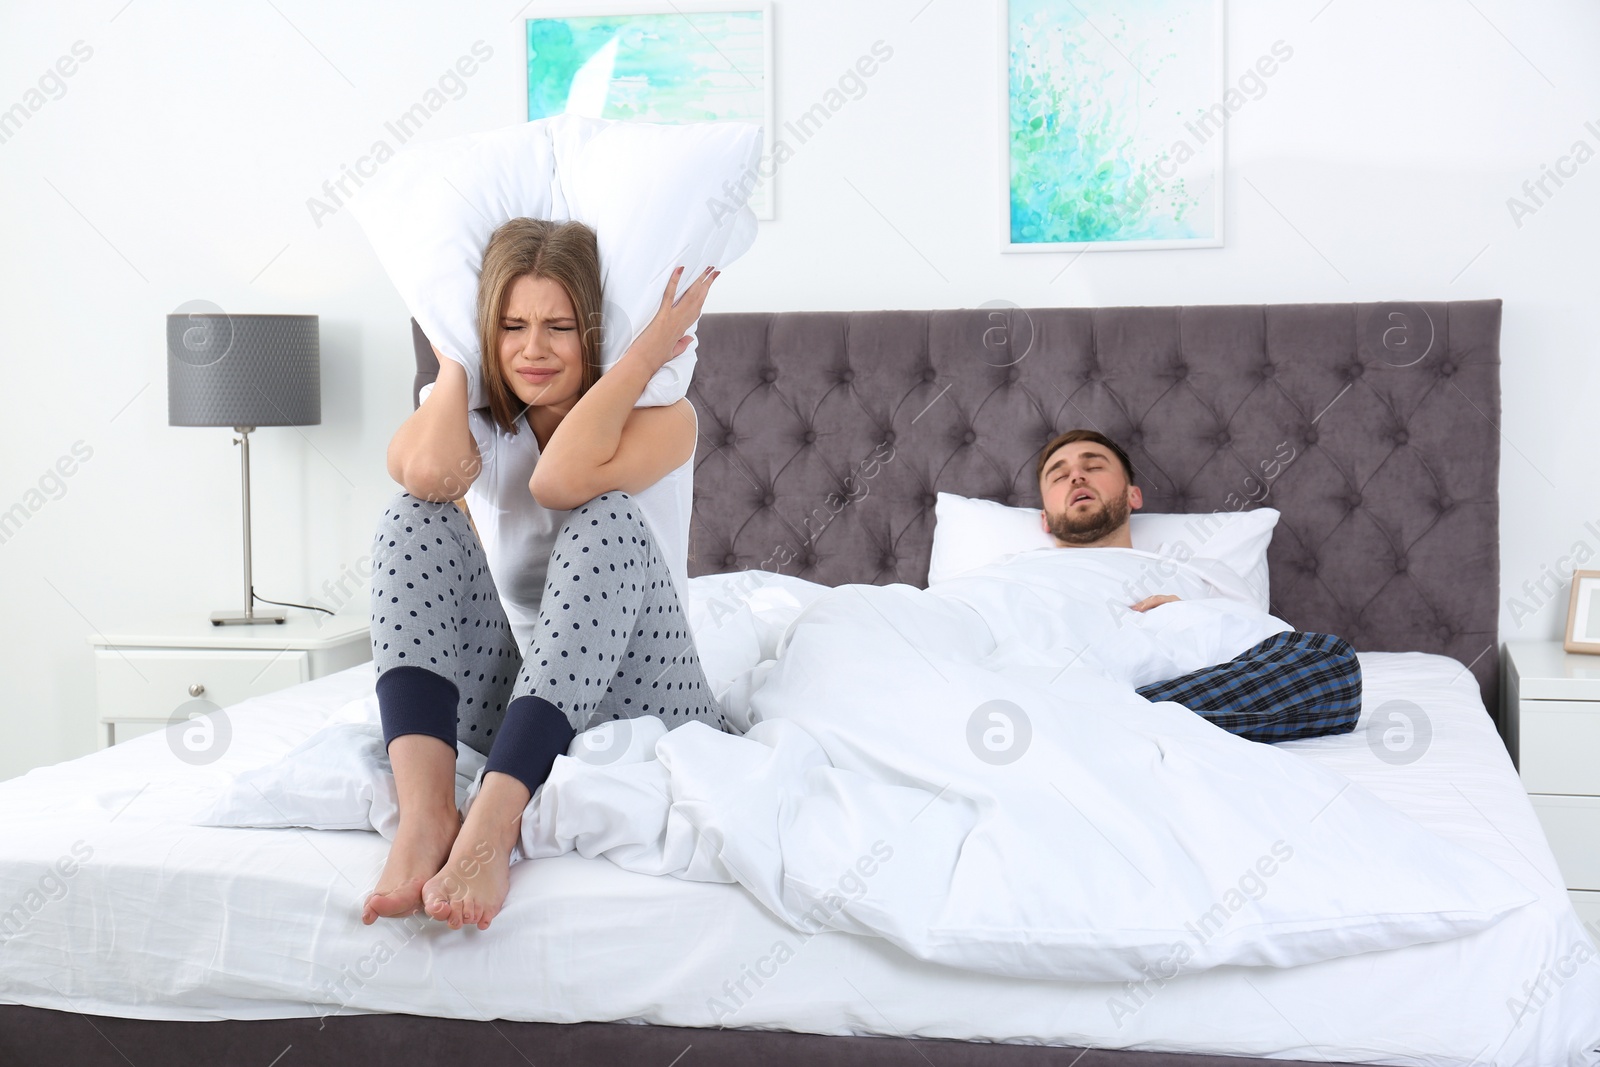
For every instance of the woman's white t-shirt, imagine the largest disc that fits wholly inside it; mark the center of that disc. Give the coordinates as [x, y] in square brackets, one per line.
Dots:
[518, 533]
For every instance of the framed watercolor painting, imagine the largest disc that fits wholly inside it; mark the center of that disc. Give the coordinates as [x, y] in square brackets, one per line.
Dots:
[705, 62]
[1112, 123]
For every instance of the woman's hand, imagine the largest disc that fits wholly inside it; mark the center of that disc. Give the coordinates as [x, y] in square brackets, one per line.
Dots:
[664, 338]
[1153, 602]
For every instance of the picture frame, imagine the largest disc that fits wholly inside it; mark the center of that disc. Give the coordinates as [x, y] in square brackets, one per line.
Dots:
[1116, 209]
[1583, 614]
[709, 81]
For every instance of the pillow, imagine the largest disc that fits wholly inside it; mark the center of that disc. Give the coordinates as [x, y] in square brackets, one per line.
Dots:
[340, 778]
[969, 533]
[656, 196]
[336, 779]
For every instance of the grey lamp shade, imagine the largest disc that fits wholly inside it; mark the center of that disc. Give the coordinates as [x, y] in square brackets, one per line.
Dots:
[243, 370]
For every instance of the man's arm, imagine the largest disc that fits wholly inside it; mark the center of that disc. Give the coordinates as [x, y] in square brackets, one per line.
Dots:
[433, 454]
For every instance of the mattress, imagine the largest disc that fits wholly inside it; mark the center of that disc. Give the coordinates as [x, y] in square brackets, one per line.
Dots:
[118, 906]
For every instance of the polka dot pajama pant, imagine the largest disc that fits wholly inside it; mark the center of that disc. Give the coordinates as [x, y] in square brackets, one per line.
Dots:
[611, 641]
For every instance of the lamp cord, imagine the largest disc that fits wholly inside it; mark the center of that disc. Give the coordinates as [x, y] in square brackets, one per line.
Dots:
[285, 604]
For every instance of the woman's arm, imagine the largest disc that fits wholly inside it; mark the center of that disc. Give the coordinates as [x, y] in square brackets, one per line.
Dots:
[433, 454]
[604, 442]
[610, 444]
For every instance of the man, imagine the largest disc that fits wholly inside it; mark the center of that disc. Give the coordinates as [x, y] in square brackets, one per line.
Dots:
[1291, 685]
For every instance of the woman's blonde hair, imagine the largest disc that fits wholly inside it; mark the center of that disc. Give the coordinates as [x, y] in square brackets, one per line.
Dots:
[565, 252]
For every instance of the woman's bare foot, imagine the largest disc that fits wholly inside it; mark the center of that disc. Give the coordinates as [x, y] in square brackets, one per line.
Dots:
[472, 887]
[419, 850]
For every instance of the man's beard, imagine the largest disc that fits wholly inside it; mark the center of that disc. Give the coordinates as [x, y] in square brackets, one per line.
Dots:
[1088, 529]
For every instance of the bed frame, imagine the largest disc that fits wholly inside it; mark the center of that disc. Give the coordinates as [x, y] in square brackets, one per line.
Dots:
[823, 439]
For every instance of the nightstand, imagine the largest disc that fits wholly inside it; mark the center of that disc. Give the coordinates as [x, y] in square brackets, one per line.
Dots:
[1552, 708]
[145, 673]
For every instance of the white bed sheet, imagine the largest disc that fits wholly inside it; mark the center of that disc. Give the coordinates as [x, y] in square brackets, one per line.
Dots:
[166, 920]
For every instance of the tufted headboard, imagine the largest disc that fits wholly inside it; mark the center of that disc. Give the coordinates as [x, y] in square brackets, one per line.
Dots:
[1372, 427]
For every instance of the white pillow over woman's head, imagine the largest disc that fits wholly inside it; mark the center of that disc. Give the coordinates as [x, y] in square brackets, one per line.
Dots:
[656, 196]
[970, 533]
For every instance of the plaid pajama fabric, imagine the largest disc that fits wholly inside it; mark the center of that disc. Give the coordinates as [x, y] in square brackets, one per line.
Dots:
[1291, 685]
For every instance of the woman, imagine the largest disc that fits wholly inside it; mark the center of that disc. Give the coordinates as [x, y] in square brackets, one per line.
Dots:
[567, 611]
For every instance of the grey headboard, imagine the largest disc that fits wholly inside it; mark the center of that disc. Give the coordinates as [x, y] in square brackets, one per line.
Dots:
[1371, 427]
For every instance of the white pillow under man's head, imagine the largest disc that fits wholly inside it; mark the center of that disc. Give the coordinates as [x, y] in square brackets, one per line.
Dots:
[657, 196]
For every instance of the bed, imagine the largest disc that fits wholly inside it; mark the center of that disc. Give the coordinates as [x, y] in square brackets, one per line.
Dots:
[1389, 537]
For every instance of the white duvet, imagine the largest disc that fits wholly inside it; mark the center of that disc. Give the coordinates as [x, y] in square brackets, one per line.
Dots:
[967, 773]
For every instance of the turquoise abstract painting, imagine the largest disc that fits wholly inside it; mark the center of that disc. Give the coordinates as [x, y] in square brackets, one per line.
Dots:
[668, 66]
[1107, 143]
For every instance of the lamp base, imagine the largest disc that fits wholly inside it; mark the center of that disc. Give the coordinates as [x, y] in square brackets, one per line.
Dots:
[238, 618]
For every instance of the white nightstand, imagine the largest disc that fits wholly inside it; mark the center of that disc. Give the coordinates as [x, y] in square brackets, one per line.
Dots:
[1552, 708]
[145, 673]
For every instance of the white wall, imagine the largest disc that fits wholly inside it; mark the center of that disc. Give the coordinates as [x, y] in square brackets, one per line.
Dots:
[178, 162]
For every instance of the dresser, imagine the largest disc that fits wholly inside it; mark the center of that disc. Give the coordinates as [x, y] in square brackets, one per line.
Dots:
[162, 671]
[1552, 708]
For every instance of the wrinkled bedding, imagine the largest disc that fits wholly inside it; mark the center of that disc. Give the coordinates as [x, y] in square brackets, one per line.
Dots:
[968, 773]
[170, 920]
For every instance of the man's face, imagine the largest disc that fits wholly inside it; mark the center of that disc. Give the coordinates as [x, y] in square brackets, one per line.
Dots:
[1086, 495]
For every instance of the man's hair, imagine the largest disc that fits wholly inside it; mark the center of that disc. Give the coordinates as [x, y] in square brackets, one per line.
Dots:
[1074, 436]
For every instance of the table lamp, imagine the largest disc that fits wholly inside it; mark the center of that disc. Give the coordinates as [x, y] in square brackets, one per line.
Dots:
[243, 371]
